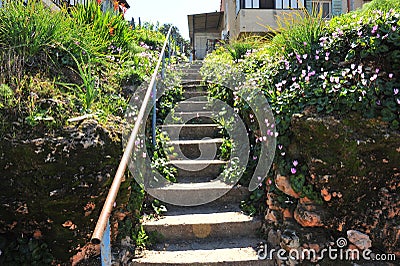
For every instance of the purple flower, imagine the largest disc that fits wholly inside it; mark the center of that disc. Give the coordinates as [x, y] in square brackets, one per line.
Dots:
[295, 163]
[287, 65]
[305, 43]
[359, 33]
[394, 28]
[378, 102]
[327, 56]
[316, 57]
[377, 70]
[293, 170]
[396, 91]
[398, 101]
[390, 75]
[280, 146]
[299, 58]
[305, 56]
[374, 29]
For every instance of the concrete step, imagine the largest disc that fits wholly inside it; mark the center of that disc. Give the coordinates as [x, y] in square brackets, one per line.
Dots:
[187, 94]
[195, 86]
[192, 131]
[186, 67]
[193, 193]
[198, 168]
[189, 81]
[192, 106]
[206, 116]
[232, 252]
[203, 222]
[191, 76]
[191, 149]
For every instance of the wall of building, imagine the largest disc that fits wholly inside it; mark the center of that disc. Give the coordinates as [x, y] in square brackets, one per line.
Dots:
[200, 43]
[261, 20]
[231, 25]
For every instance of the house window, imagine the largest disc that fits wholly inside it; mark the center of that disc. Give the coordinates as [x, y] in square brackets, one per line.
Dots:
[270, 4]
[289, 4]
[323, 7]
[251, 3]
[267, 4]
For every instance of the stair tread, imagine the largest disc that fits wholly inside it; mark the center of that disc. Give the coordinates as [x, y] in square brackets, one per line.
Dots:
[196, 141]
[201, 251]
[190, 125]
[194, 102]
[196, 162]
[197, 185]
[209, 208]
[202, 218]
[195, 112]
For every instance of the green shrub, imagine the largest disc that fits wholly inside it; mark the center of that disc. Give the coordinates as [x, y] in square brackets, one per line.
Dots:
[350, 64]
[297, 32]
[238, 50]
[29, 29]
[383, 5]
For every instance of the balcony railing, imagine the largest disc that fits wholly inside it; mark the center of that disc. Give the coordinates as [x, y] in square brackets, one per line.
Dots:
[68, 3]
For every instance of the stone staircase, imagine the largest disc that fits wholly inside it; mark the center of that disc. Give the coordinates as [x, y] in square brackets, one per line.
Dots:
[217, 233]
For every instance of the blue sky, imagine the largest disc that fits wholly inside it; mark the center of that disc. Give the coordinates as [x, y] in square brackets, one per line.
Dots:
[170, 11]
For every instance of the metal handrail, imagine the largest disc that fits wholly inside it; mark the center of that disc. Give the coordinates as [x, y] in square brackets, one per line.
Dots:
[112, 194]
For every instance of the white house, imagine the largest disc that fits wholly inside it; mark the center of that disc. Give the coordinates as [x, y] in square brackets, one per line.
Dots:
[238, 18]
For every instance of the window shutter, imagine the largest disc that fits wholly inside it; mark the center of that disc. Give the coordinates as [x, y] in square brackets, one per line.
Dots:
[336, 7]
[309, 6]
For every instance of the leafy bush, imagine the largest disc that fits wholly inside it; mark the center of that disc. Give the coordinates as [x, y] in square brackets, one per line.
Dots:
[297, 34]
[81, 58]
[238, 50]
[29, 29]
[350, 64]
[383, 5]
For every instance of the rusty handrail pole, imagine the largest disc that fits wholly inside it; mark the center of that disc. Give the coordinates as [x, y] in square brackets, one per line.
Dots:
[112, 194]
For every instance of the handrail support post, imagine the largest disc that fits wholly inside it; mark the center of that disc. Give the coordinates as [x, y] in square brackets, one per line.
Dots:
[105, 246]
